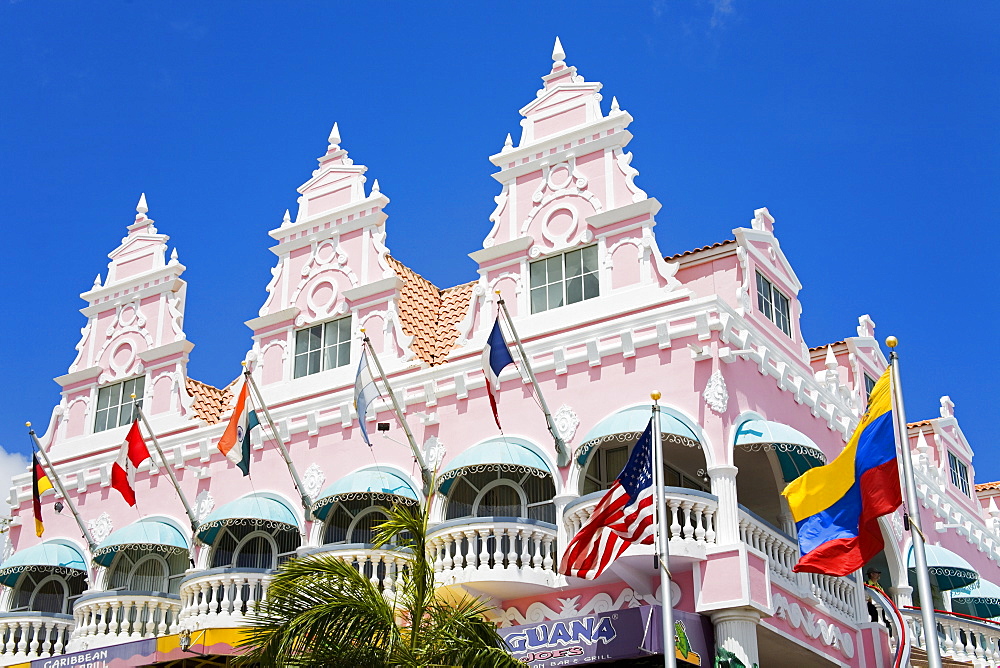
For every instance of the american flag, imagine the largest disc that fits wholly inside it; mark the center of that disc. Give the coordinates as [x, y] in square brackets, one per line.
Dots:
[623, 516]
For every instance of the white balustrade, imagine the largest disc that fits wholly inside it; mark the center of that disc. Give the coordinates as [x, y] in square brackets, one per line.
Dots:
[126, 616]
[838, 594]
[976, 641]
[691, 519]
[484, 546]
[27, 636]
[222, 598]
[383, 568]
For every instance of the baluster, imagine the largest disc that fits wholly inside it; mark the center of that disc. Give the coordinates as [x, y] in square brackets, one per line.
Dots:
[163, 626]
[710, 525]
[238, 601]
[224, 586]
[102, 626]
[60, 641]
[675, 525]
[35, 629]
[688, 526]
[497, 547]
[536, 540]
[202, 597]
[22, 644]
[482, 552]
[373, 578]
[398, 585]
[435, 547]
[449, 562]
[513, 535]
[526, 538]
[8, 638]
[699, 529]
[949, 640]
[548, 548]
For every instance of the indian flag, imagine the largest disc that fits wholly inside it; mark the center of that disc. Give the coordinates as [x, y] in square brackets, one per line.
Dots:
[235, 441]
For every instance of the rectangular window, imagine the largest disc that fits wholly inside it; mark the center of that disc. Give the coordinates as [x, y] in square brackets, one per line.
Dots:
[564, 279]
[114, 403]
[773, 304]
[322, 347]
[959, 474]
[869, 386]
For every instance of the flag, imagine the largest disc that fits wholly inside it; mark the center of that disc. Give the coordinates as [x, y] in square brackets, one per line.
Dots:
[235, 441]
[836, 507]
[365, 392]
[624, 515]
[40, 484]
[133, 452]
[496, 356]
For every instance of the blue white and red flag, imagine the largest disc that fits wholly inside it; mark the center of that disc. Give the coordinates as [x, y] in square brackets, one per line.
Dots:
[623, 516]
[496, 356]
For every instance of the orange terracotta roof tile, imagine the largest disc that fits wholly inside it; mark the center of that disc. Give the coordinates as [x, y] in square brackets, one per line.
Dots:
[825, 345]
[987, 486]
[698, 250]
[921, 423]
[209, 402]
[430, 315]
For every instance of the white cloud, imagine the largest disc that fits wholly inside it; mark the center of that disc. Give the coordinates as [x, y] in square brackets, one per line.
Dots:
[11, 464]
[722, 10]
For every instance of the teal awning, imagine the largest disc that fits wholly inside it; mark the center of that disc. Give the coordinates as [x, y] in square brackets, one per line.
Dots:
[151, 535]
[946, 568]
[628, 422]
[375, 482]
[253, 509]
[500, 453]
[49, 555]
[796, 452]
[980, 599]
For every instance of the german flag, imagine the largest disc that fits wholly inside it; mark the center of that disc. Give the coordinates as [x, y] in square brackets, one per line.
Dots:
[40, 483]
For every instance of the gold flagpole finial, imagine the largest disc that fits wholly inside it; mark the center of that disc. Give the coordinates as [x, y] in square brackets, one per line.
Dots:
[655, 395]
[28, 425]
[891, 341]
[133, 396]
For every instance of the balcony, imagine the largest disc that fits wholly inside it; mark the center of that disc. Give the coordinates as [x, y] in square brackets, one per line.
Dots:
[502, 556]
[691, 514]
[220, 597]
[32, 635]
[109, 617]
[384, 568]
[962, 638]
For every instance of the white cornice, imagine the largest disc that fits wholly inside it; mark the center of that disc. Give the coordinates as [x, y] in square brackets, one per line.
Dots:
[363, 292]
[744, 235]
[284, 315]
[513, 247]
[128, 290]
[587, 131]
[649, 205]
[182, 347]
[80, 376]
[372, 201]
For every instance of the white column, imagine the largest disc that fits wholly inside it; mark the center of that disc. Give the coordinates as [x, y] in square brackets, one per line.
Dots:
[902, 595]
[736, 632]
[728, 518]
[560, 502]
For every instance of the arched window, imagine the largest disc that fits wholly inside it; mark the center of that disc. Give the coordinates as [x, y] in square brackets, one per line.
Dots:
[137, 569]
[355, 520]
[683, 462]
[496, 493]
[44, 591]
[243, 546]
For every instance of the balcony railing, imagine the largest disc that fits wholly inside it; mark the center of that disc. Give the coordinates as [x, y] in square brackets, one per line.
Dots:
[691, 514]
[33, 635]
[119, 615]
[960, 637]
[491, 548]
[221, 596]
[384, 568]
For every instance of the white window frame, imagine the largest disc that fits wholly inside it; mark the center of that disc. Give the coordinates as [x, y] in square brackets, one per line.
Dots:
[136, 385]
[959, 473]
[502, 482]
[381, 510]
[769, 301]
[564, 278]
[251, 536]
[323, 349]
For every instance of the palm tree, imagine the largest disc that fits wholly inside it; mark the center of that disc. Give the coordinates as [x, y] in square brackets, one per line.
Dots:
[321, 611]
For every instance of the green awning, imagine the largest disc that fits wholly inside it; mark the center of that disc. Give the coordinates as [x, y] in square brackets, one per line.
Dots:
[947, 569]
[376, 482]
[628, 424]
[796, 452]
[51, 555]
[980, 599]
[253, 509]
[500, 453]
[150, 535]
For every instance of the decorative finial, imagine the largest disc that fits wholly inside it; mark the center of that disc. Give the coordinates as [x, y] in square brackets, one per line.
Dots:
[173, 256]
[831, 359]
[508, 142]
[287, 220]
[334, 138]
[97, 281]
[28, 425]
[891, 341]
[141, 206]
[132, 395]
[614, 104]
[375, 187]
[557, 52]
[655, 395]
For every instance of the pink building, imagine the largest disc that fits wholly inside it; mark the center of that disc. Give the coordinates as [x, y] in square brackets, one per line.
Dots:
[605, 318]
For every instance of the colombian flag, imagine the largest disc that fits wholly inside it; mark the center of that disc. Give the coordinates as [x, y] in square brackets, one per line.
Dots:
[836, 507]
[40, 483]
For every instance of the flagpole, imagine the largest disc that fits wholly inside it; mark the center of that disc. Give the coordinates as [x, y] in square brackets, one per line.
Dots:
[424, 471]
[561, 451]
[62, 490]
[277, 439]
[170, 472]
[916, 534]
[662, 545]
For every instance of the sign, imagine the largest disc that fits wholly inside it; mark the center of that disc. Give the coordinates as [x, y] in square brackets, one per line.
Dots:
[609, 636]
[103, 657]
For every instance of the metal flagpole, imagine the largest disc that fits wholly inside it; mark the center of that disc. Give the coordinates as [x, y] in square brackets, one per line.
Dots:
[62, 490]
[259, 400]
[919, 556]
[561, 452]
[170, 472]
[662, 546]
[424, 471]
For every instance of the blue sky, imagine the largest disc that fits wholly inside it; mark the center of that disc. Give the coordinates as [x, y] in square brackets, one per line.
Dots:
[870, 131]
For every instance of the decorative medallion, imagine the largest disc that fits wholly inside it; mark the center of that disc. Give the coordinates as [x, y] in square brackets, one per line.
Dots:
[101, 528]
[313, 479]
[434, 452]
[716, 395]
[566, 422]
[204, 503]
[896, 521]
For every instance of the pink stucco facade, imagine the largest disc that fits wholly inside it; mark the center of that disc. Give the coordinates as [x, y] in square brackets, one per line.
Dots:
[693, 326]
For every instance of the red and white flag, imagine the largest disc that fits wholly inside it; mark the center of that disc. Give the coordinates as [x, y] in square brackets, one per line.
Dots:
[133, 453]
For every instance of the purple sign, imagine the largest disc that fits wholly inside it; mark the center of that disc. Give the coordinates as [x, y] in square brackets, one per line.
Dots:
[104, 657]
[609, 636]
